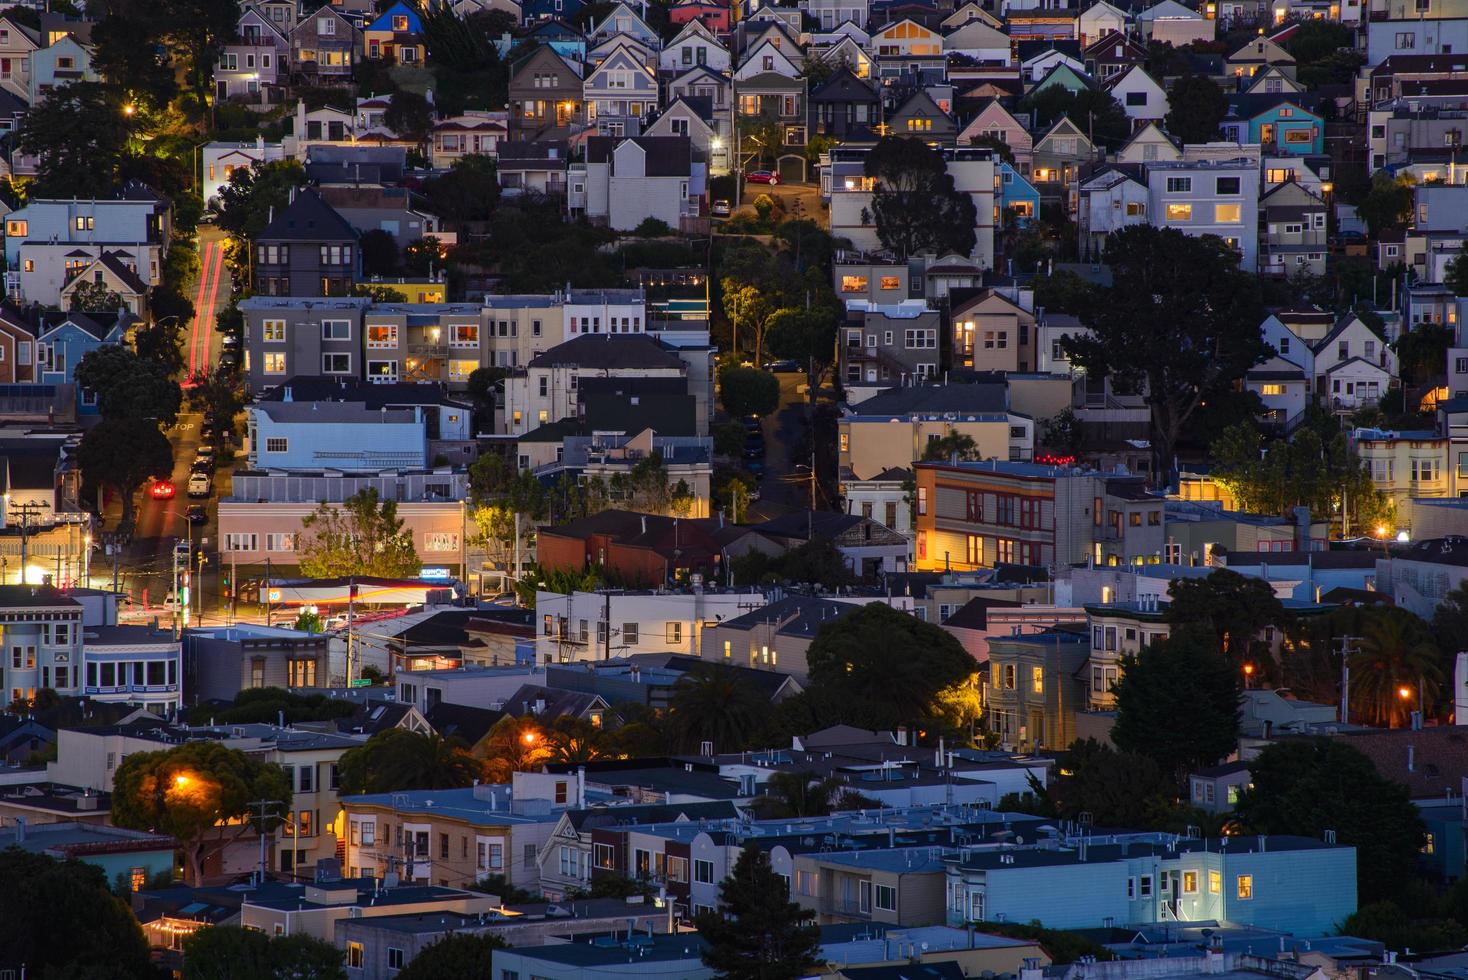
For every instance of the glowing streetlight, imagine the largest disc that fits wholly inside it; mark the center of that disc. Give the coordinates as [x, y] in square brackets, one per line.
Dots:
[180, 781]
[529, 738]
[129, 109]
[1404, 692]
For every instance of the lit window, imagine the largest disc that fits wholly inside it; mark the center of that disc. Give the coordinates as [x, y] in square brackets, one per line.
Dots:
[1179, 212]
[1215, 882]
[1037, 680]
[853, 284]
[1190, 882]
[1246, 886]
[1228, 214]
[891, 282]
[275, 363]
[1271, 389]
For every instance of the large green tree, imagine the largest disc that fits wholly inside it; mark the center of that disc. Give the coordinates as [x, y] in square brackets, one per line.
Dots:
[1118, 789]
[246, 204]
[747, 391]
[1179, 322]
[123, 454]
[1395, 668]
[235, 953]
[62, 921]
[455, 956]
[199, 792]
[885, 668]
[1308, 786]
[1231, 608]
[915, 204]
[128, 386]
[468, 192]
[715, 704]
[1195, 107]
[1093, 111]
[398, 759]
[1177, 703]
[757, 932]
[1387, 202]
[361, 536]
[127, 53]
[1273, 477]
[80, 134]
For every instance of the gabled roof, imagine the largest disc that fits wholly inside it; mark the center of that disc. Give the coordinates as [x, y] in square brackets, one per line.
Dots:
[100, 325]
[1150, 130]
[1128, 72]
[975, 34]
[1109, 41]
[621, 10]
[665, 156]
[887, 28]
[307, 219]
[462, 721]
[700, 107]
[1105, 7]
[29, 34]
[621, 57]
[843, 86]
[126, 276]
[692, 73]
[920, 104]
[399, 9]
[1064, 126]
[695, 28]
[1054, 77]
[608, 351]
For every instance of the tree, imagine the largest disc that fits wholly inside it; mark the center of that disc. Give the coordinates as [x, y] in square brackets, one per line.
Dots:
[222, 402]
[247, 201]
[748, 391]
[1388, 923]
[422, 255]
[128, 387]
[1177, 702]
[95, 297]
[798, 794]
[1450, 625]
[573, 741]
[80, 134]
[193, 792]
[915, 204]
[468, 192]
[1422, 351]
[1308, 786]
[1387, 202]
[1231, 608]
[454, 956]
[264, 705]
[886, 668]
[235, 953]
[1179, 322]
[1093, 110]
[196, 32]
[514, 745]
[379, 253]
[127, 54]
[308, 621]
[410, 115]
[1274, 478]
[123, 454]
[748, 309]
[159, 343]
[360, 536]
[396, 759]
[714, 704]
[949, 444]
[757, 932]
[1118, 789]
[61, 920]
[1395, 661]
[1196, 106]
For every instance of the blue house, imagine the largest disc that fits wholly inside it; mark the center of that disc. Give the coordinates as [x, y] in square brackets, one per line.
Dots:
[129, 856]
[1017, 196]
[65, 338]
[561, 38]
[537, 10]
[1280, 122]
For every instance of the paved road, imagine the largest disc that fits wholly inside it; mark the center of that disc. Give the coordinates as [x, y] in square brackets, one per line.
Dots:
[203, 344]
[783, 488]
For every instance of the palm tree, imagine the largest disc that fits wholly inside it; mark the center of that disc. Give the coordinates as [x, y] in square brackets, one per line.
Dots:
[574, 741]
[1395, 664]
[798, 794]
[713, 704]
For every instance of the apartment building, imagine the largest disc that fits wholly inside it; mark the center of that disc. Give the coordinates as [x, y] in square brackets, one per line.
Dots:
[453, 838]
[1294, 231]
[1119, 628]
[1209, 197]
[545, 390]
[1409, 464]
[308, 249]
[1292, 884]
[48, 243]
[1033, 687]
[642, 621]
[889, 345]
[980, 514]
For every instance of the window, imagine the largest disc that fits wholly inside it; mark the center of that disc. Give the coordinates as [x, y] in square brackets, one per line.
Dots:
[1215, 882]
[885, 898]
[674, 633]
[464, 335]
[1179, 212]
[1298, 136]
[85, 222]
[272, 331]
[1144, 886]
[1228, 214]
[922, 500]
[394, 958]
[280, 541]
[336, 329]
[1190, 882]
[16, 229]
[1037, 680]
[1136, 98]
[274, 363]
[1245, 889]
[703, 872]
[277, 444]
[1179, 185]
[382, 372]
[854, 284]
[1227, 186]
[355, 955]
[336, 363]
[382, 335]
[241, 541]
[441, 541]
[1136, 209]
[890, 282]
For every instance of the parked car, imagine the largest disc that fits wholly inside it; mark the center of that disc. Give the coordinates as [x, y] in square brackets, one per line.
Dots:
[200, 485]
[750, 423]
[721, 209]
[162, 490]
[754, 468]
[197, 515]
[754, 447]
[205, 452]
[782, 367]
[761, 177]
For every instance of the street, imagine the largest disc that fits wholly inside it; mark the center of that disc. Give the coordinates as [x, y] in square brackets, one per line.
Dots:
[202, 339]
[786, 432]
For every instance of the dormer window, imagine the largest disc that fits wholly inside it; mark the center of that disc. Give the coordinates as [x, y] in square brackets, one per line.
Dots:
[400, 23]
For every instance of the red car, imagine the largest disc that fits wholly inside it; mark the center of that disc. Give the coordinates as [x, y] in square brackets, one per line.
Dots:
[761, 177]
[162, 489]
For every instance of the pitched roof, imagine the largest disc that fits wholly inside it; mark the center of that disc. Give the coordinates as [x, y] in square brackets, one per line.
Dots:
[921, 399]
[128, 277]
[665, 156]
[843, 86]
[462, 721]
[307, 219]
[608, 351]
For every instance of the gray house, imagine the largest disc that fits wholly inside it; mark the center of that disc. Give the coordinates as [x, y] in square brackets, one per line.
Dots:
[220, 662]
[290, 335]
[307, 250]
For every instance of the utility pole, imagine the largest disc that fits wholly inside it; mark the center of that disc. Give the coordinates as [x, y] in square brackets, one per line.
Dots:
[180, 592]
[265, 586]
[606, 615]
[1346, 643]
[260, 828]
[25, 512]
[199, 586]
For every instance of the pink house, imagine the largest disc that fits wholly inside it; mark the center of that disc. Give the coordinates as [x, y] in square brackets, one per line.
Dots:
[715, 16]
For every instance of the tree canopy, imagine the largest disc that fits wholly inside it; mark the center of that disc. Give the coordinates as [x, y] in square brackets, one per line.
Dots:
[235, 953]
[123, 454]
[454, 956]
[397, 759]
[885, 667]
[1177, 703]
[80, 134]
[757, 932]
[1180, 321]
[747, 391]
[1226, 606]
[361, 536]
[915, 204]
[191, 790]
[1093, 111]
[128, 386]
[1308, 786]
[1196, 106]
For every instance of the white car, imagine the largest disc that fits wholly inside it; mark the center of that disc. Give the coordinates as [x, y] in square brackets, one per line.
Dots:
[200, 485]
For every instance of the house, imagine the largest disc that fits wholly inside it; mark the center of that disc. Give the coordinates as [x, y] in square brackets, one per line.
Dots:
[623, 20]
[768, 57]
[831, 14]
[471, 134]
[545, 390]
[397, 35]
[128, 858]
[629, 180]
[847, 52]
[778, 635]
[546, 96]
[1170, 22]
[1063, 75]
[113, 273]
[1038, 59]
[558, 35]
[620, 94]
[922, 117]
[540, 11]
[1058, 158]
[1209, 197]
[881, 497]
[219, 663]
[705, 83]
[692, 119]
[1140, 95]
[325, 45]
[1019, 201]
[17, 345]
[63, 339]
[694, 46]
[57, 65]
[981, 514]
[1283, 386]
[997, 124]
[713, 15]
[1034, 686]
[885, 345]
[308, 250]
[979, 41]
[257, 60]
[867, 548]
[992, 332]
[1112, 54]
[1147, 144]
[1216, 789]
[1270, 80]
[536, 167]
[1280, 123]
[1098, 20]
[1294, 231]
[782, 101]
[1353, 365]
[844, 106]
[17, 44]
[1257, 54]
[906, 39]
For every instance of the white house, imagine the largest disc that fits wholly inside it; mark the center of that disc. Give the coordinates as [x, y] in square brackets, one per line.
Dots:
[764, 58]
[979, 41]
[624, 20]
[1284, 388]
[620, 94]
[1141, 97]
[693, 46]
[1148, 144]
[1098, 20]
[221, 159]
[1109, 201]
[632, 179]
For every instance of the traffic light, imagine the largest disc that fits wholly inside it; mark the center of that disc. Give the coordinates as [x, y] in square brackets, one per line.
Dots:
[224, 586]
